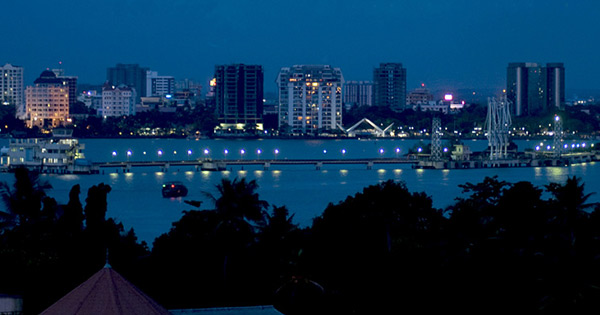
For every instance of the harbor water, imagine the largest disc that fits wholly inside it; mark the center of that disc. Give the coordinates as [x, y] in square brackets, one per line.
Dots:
[137, 202]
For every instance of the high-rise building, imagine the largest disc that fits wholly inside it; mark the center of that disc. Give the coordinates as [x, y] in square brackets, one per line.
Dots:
[70, 82]
[358, 93]
[159, 85]
[238, 92]
[131, 75]
[534, 89]
[47, 102]
[555, 84]
[11, 88]
[389, 86]
[117, 101]
[310, 98]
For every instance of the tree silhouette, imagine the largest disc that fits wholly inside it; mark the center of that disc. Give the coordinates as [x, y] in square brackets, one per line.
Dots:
[23, 203]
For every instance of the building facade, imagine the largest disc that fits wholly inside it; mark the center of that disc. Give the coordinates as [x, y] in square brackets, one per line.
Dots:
[117, 101]
[310, 98]
[11, 88]
[47, 102]
[358, 93]
[555, 85]
[389, 86]
[534, 89]
[238, 92]
[419, 96]
[159, 85]
[70, 82]
[131, 75]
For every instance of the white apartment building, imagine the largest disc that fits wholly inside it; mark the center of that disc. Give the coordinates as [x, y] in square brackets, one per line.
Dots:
[310, 98]
[47, 102]
[11, 88]
[159, 85]
[117, 101]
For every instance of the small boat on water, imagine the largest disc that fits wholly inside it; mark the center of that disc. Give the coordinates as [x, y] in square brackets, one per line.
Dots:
[174, 189]
[210, 165]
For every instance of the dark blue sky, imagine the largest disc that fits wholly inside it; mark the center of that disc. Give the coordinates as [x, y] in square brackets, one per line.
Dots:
[447, 44]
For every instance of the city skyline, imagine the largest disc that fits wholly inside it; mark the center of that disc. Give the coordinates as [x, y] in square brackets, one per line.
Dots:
[444, 45]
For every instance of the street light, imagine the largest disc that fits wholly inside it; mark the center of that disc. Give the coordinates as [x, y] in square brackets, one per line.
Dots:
[225, 153]
[242, 152]
[129, 153]
[276, 153]
[343, 152]
[189, 152]
[258, 152]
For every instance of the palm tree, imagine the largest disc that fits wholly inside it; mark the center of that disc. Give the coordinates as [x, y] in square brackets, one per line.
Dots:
[240, 212]
[239, 204]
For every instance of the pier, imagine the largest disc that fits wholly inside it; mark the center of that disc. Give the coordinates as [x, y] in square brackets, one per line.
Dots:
[267, 164]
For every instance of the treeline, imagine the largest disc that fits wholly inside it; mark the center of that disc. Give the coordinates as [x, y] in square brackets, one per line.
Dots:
[500, 248]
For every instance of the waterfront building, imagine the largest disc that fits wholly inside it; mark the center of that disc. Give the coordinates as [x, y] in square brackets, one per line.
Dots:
[238, 92]
[60, 153]
[117, 101]
[310, 98]
[389, 86]
[131, 75]
[419, 96]
[159, 85]
[47, 102]
[358, 93]
[11, 88]
[533, 89]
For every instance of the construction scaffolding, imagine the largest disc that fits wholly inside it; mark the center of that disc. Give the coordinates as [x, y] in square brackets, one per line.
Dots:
[436, 139]
[558, 136]
[497, 124]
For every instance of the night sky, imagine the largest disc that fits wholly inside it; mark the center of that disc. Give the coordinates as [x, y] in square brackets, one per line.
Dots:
[446, 44]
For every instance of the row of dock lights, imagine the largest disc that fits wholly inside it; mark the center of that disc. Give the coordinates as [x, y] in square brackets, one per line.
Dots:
[207, 152]
[566, 146]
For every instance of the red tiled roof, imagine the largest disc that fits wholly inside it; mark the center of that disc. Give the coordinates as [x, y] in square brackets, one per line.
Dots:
[106, 292]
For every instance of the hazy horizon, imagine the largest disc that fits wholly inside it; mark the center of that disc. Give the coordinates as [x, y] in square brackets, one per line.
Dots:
[448, 46]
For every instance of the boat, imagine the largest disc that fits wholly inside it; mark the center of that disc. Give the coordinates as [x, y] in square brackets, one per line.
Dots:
[174, 189]
[210, 165]
[60, 154]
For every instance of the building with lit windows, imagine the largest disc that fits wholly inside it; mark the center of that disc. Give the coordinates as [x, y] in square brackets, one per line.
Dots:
[11, 88]
[159, 85]
[310, 99]
[358, 93]
[534, 89]
[117, 101]
[421, 95]
[389, 86]
[238, 92]
[47, 102]
[131, 75]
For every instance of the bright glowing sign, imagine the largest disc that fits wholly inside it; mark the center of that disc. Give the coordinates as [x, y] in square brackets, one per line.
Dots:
[448, 97]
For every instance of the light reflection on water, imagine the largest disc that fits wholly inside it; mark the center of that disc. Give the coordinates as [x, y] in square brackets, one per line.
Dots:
[136, 200]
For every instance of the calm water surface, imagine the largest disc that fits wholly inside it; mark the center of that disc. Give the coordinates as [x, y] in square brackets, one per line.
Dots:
[136, 198]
